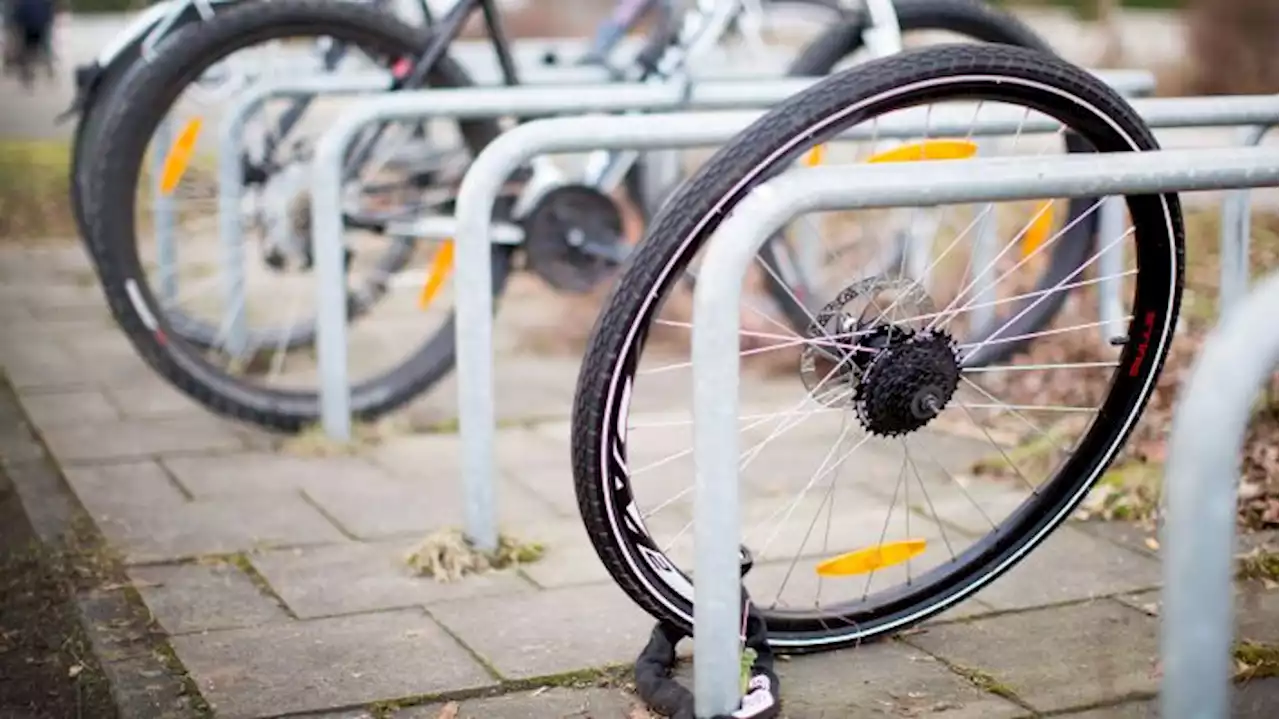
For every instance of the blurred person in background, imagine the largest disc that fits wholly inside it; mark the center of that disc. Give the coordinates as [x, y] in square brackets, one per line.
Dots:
[29, 37]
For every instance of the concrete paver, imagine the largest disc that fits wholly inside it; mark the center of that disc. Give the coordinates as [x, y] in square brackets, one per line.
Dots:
[145, 516]
[382, 511]
[151, 397]
[365, 577]
[1256, 607]
[550, 632]
[87, 406]
[593, 703]
[1255, 699]
[188, 598]
[1070, 565]
[138, 438]
[324, 663]
[261, 474]
[1056, 659]
[882, 679]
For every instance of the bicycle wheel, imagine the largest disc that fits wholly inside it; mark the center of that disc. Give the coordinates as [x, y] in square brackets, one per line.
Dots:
[918, 20]
[100, 81]
[96, 85]
[895, 551]
[224, 379]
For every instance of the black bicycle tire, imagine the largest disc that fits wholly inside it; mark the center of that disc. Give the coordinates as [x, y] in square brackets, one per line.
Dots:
[599, 441]
[979, 21]
[84, 139]
[147, 91]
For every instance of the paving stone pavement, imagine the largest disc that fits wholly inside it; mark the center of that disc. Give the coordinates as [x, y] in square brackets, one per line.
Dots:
[281, 582]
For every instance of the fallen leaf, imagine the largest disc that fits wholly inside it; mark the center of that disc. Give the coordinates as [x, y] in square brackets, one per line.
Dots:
[448, 711]
[639, 712]
[1151, 543]
[74, 670]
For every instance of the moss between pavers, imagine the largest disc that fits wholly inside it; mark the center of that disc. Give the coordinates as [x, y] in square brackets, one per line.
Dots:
[987, 683]
[241, 561]
[1255, 660]
[608, 677]
[1259, 564]
[982, 680]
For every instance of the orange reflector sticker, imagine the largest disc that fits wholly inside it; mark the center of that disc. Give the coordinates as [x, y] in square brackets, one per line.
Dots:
[870, 559]
[815, 156]
[179, 157]
[441, 265]
[1038, 231]
[928, 150]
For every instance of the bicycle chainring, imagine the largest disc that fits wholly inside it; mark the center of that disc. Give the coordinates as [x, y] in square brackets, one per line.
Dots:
[573, 237]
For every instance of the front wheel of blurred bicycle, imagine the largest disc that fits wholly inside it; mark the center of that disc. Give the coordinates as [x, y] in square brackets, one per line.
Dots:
[177, 302]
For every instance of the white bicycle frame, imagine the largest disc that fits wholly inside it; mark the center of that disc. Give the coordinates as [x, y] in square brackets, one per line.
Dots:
[151, 25]
[703, 26]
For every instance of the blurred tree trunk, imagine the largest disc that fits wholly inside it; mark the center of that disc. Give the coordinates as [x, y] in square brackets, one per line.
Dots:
[1232, 45]
[1107, 16]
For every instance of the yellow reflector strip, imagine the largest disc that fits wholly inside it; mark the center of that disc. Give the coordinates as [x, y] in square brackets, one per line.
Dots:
[441, 265]
[179, 157]
[928, 150]
[870, 559]
[815, 156]
[1038, 232]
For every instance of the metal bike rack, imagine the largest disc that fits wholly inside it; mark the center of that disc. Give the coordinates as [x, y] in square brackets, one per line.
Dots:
[1235, 233]
[772, 205]
[1209, 426]
[489, 171]
[704, 93]
[231, 181]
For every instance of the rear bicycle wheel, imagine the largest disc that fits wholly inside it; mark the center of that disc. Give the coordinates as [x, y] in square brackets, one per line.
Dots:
[220, 378]
[872, 366]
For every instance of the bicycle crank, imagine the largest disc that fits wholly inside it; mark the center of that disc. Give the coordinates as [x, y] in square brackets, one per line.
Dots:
[573, 238]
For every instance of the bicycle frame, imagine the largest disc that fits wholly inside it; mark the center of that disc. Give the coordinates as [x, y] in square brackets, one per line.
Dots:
[663, 59]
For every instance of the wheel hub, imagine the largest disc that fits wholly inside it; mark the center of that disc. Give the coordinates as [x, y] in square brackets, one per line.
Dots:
[908, 384]
[897, 375]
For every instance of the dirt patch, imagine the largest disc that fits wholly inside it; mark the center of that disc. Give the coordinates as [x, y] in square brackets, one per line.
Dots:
[47, 668]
